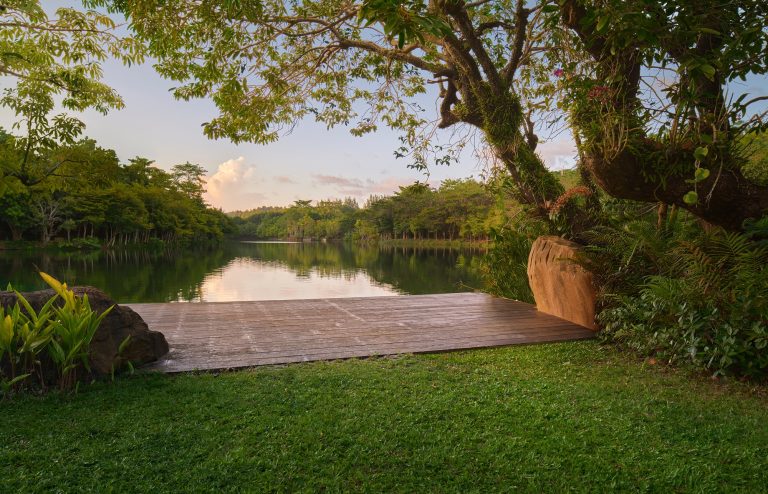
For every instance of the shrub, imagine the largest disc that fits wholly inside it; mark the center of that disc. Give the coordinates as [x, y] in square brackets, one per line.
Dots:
[676, 292]
[23, 336]
[505, 265]
[74, 326]
[86, 243]
[60, 333]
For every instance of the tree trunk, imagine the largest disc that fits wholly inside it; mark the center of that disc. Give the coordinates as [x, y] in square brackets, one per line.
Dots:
[627, 164]
[16, 232]
[726, 198]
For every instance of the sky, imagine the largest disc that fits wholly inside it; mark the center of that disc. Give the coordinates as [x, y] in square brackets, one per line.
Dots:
[311, 162]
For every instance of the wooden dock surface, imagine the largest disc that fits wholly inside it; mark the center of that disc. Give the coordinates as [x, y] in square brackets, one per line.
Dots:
[226, 335]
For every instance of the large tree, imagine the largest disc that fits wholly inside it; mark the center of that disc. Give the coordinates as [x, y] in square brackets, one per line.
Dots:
[50, 60]
[269, 64]
[652, 91]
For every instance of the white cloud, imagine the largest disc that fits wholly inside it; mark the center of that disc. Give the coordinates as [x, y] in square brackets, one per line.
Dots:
[228, 187]
[558, 153]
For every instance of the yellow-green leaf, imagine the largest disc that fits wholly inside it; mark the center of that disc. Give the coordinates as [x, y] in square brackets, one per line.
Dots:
[701, 174]
[708, 71]
[52, 282]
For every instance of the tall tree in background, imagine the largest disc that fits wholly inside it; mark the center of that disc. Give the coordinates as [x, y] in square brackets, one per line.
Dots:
[269, 64]
[190, 180]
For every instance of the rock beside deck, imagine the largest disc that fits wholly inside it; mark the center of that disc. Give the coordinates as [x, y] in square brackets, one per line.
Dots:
[144, 346]
[560, 286]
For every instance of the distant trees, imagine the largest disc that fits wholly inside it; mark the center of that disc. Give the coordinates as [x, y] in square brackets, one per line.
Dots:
[92, 195]
[458, 209]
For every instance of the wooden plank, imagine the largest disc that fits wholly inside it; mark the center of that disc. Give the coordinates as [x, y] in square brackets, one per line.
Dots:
[225, 335]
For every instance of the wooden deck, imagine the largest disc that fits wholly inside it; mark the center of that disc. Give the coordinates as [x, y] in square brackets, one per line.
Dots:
[229, 335]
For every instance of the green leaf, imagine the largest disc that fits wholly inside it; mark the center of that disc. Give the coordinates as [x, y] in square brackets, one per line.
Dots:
[701, 174]
[691, 198]
[602, 23]
[708, 71]
[700, 153]
[710, 31]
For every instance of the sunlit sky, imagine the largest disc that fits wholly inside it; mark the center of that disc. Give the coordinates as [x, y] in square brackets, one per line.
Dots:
[309, 163]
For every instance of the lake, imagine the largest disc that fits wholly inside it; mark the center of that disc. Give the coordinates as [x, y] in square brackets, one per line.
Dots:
[235, 271]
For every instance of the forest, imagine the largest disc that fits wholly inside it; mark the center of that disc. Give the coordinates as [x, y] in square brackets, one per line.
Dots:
[465, 210]
[80, 195]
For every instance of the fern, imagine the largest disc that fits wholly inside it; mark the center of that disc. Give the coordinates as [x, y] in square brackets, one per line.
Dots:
[684, 295]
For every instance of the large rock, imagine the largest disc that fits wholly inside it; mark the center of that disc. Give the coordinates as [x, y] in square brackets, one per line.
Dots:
[144, 346]
[561, 287]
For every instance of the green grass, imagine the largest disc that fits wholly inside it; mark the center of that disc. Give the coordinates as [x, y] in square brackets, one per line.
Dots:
[548, 418]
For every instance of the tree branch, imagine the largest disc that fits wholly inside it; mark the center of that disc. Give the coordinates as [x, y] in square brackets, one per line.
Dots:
[459, 13]
[392, 54]
[521, 23]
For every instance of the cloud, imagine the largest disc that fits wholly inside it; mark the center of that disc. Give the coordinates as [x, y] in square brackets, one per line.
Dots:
[228, 186]
[338, 181]
[558, 153]
[284, 179]
[360, 188]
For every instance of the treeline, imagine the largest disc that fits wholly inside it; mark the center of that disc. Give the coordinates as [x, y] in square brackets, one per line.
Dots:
[80, 194]
[457, 210]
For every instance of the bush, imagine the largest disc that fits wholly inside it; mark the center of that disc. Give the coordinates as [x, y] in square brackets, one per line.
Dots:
[79, 243]
[505, 265]
[675, 292]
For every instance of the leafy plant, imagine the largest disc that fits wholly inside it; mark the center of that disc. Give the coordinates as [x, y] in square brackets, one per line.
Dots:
[505, 264]
[74, 325]
[23, 336]
[120, 358]
[684, 295]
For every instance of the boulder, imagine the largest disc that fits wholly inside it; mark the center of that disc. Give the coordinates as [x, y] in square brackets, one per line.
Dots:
[144, 346]
[560, 286]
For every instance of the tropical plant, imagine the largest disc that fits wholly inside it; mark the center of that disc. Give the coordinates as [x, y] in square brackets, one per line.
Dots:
[74, 327]
[676, 292]
[504, 267]
[24, 334]
[10, 327]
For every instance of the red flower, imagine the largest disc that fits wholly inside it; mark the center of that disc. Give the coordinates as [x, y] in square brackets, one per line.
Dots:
[559, 73]
[599, 93]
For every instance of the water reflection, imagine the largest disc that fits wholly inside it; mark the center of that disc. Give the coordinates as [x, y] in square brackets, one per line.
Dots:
[252, 271]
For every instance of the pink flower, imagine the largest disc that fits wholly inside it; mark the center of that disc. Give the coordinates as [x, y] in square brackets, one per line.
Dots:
[559, 73]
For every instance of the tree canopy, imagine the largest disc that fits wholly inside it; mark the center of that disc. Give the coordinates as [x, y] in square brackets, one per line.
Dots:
[93, 196]
[646, 84]
[54, 61]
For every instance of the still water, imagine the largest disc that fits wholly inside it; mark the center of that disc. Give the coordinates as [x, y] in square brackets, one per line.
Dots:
[251, 271]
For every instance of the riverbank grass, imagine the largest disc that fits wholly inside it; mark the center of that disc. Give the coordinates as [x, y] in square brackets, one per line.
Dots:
[546, 418]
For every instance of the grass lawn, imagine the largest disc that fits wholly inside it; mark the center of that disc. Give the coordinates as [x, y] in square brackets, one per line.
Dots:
[547, 418]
